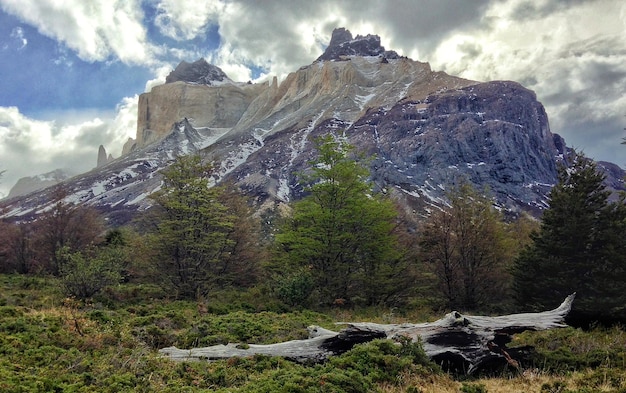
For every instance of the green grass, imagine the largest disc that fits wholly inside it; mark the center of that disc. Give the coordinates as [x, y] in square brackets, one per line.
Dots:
[569, 349]
[49, 343]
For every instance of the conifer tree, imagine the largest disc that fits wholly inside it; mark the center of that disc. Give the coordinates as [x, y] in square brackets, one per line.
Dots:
[579, 248]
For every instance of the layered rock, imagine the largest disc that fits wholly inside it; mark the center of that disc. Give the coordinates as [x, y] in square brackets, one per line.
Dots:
[205, 106]
[373, 77]
[492, 134]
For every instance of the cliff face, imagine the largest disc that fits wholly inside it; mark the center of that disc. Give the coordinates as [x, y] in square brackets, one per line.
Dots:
[205, 106]
[352, 75]
[492, 134]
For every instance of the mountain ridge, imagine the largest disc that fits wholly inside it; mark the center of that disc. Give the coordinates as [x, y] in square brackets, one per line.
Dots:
[426, 130]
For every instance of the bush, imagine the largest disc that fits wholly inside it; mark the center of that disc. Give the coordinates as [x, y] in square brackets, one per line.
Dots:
[295, 288]
[473, 388]
[384, 360]
[574, 349]
[554, 387]
[83, 276]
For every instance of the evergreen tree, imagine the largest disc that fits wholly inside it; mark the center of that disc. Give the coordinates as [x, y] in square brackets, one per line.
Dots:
[579, 247]
[342, 233]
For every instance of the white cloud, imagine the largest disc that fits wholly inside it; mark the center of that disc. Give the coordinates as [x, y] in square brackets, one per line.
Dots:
[186, 19]
[96, 30]
[123, 126]
[279, 37]
[18, 34]
[29, 147]
[159, 77]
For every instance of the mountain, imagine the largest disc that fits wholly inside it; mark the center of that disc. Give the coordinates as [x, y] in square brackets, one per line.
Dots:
[199, 92]
[425, 130]
[26, 185]
[342, 45]
[199, 72]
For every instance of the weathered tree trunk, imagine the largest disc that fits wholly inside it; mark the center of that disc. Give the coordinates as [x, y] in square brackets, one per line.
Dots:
[461, 342]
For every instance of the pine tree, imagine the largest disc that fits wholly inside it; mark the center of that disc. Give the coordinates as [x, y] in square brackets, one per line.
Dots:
[579, 247]
[342, 232]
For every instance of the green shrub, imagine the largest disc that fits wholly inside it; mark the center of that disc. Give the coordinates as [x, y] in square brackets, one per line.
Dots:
[572, 349]
[295, 288]
[554, 387]
[473, 388]
[384, 360]
[603, 376]
[83, 276]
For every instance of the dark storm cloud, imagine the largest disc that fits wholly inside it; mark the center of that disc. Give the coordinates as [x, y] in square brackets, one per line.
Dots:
[532, 10]
[422, 24]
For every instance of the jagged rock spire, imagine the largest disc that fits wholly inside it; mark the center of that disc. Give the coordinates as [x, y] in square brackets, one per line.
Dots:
[102, 156]
[343, 44]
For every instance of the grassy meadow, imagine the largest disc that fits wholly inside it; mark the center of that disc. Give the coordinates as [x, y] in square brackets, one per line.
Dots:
[50, 343]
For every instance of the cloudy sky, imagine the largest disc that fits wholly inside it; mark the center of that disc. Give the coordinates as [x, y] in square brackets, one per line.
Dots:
[71, 71]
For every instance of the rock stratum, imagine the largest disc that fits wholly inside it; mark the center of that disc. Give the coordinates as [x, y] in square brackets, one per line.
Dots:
[426, 130]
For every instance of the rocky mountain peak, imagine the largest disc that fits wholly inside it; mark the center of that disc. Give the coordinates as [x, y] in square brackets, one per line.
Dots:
[339, 36]
[343, 44]
[425, 130]
[26, 185]
[103, 157]
[199, 72]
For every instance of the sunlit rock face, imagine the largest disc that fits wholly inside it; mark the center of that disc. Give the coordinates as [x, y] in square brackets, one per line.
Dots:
[199, 92]
[204, 105]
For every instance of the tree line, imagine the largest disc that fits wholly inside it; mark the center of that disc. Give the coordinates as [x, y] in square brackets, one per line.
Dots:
[343, 244]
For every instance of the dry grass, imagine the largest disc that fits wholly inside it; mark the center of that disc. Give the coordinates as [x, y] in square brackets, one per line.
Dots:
[529, 381]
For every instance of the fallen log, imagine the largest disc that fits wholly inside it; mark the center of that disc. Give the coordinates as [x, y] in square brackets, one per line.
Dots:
[464, 343]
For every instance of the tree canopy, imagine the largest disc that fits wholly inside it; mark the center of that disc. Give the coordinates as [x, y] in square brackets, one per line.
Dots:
[197, 241]
[465, 243]
[341, 232]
